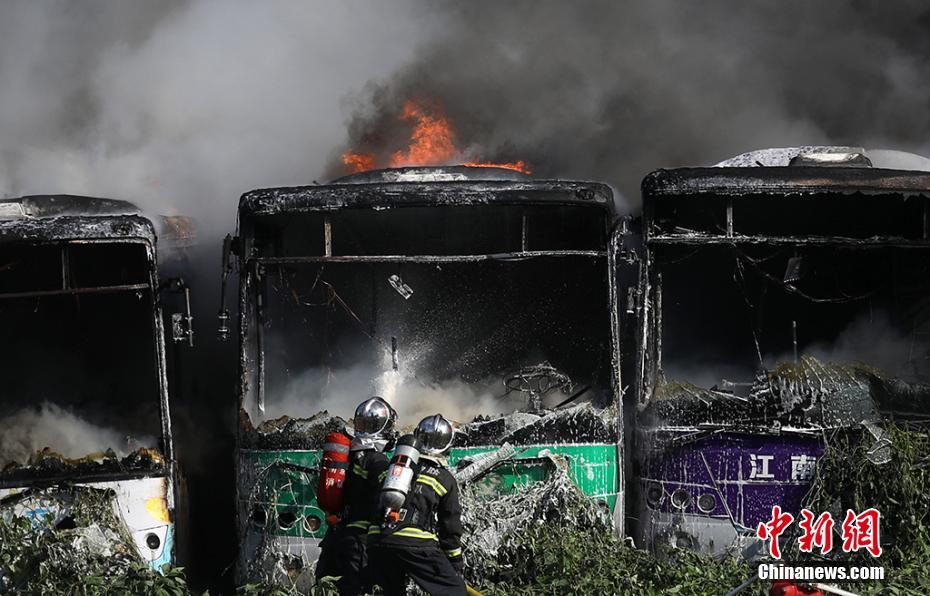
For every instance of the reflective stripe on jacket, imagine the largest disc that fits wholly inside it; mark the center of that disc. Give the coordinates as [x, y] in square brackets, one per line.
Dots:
[431, 515]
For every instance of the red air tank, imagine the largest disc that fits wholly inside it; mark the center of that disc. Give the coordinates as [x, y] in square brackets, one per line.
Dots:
[788, 588]
[333, 468]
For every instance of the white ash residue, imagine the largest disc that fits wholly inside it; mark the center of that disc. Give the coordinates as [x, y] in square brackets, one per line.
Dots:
[581, 423]
[492, 521]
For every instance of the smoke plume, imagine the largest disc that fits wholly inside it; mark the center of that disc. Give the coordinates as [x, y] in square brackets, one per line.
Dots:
[30, 430]
[612, 90]
[871, 338]
[183, 106]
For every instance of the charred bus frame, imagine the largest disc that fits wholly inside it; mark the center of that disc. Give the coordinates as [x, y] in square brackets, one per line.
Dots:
[704, 482]
[378, 194]
[146, 491]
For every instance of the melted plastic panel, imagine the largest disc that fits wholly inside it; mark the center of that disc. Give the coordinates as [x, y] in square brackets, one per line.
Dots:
[81, 375]
[83, 530]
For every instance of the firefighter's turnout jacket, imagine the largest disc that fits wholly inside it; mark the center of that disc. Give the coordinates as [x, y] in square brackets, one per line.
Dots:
[430, 518]
[363, 486]
[344, 548]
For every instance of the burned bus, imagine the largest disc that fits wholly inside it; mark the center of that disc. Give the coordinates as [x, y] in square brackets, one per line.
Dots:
[84, 418]
[783, 299]
[480, 293]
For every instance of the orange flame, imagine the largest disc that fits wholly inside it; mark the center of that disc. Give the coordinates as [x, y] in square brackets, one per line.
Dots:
[358, 162]
[519, 165]
[432, 143]
[431, 140]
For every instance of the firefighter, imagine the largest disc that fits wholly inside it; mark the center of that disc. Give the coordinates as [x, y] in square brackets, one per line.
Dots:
[344, 551]
[422, 539]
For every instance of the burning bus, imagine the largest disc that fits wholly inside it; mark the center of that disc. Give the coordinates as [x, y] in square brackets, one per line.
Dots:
[477, 292]
[782, 301]
[84, 417]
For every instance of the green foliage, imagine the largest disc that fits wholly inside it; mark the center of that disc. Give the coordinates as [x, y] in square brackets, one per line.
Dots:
[260, 590]
[569, 553]
[555, 558]
[899, 489]
[325, 587]
[38, 559]
[545, 559]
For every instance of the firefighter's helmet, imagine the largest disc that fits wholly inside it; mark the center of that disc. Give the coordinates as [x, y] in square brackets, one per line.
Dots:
[374, 417]
[435, 434]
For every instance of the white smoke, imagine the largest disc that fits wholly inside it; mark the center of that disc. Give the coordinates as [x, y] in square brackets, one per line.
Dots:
[874, 340]
[871, 339]
[183, 106]
[340, 391]
[30, 430]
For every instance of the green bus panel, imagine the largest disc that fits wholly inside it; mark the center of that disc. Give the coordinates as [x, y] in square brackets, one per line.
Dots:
[284, 482]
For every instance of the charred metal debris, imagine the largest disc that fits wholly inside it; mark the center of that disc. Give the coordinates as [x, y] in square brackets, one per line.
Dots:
[775, 230]
[52, 251]
[48, 467]
[581, 423]
[808, 394]
[376, 222]
[286, 432]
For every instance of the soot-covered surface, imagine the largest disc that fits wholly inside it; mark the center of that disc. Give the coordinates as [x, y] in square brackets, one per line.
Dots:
[286, 432]
[582, 423]
[810, 393]
[47, 466]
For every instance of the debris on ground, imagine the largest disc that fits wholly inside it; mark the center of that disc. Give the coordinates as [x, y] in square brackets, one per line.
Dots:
[550, 538]
[53, 539]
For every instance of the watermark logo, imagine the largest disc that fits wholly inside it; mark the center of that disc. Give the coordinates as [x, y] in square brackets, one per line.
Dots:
[774, 528]
[798, 572]
[859, 531]
[817, 532]
[862, 532]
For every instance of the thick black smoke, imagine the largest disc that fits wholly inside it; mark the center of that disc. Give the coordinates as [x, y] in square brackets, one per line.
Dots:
[611, 90]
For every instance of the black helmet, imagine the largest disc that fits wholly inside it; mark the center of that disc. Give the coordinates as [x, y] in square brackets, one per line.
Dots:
[435, 434]
[374, 417]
